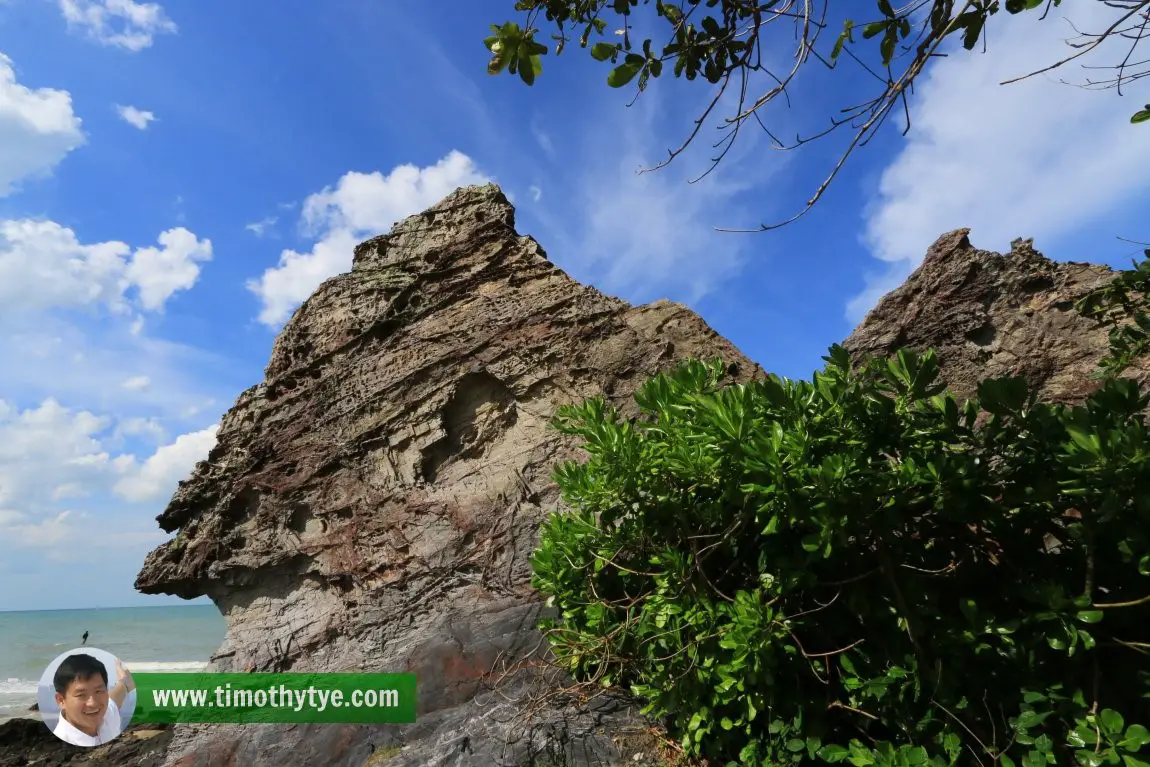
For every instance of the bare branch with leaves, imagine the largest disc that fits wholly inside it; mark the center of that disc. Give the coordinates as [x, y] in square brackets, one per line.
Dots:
[729, 44]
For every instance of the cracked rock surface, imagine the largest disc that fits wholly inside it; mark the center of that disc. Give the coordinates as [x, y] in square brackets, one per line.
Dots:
[988, 315]
[372, 504]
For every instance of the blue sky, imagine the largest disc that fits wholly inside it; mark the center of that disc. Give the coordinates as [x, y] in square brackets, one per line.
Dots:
[175, 178]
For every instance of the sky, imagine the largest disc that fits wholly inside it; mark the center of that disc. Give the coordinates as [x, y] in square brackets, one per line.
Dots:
[176, 178]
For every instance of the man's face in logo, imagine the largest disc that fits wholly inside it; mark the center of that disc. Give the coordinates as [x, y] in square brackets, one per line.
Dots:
[84, 703]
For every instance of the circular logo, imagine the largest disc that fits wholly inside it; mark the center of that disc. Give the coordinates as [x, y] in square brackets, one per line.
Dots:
[86, 696]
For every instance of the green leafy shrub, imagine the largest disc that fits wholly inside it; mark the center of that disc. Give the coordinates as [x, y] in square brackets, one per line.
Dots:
[859, 569]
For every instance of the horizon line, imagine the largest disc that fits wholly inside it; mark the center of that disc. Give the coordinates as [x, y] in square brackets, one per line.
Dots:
[104, 607]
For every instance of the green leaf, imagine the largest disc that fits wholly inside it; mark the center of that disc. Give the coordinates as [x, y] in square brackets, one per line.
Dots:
[1141, 116]
[602, 51]
[1136, 737]
[1002, 396]
[874, 28]
[795, 745]
[914, 756]
[1088, 758]
[973, 29]
[1112, 721]
[833, 753]
[1090, 616]
[1131, 761]
[838, 49]
[622, 74]
[969, 609]
[887, 48]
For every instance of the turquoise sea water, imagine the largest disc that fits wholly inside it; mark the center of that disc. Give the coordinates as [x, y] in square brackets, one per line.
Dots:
[178, 638]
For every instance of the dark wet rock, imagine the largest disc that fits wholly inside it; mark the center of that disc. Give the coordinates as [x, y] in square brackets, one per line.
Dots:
[29, 743]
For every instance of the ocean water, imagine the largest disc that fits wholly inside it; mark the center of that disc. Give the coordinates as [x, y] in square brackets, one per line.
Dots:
[146, 639]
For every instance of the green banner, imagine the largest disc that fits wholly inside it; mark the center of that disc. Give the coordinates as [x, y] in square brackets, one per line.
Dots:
[275, 698]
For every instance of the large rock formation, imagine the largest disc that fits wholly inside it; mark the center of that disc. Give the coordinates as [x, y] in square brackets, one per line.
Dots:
[988, 315]
[373, 504]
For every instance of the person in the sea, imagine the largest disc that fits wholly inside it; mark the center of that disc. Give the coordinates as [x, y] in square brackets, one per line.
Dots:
[84, 639]
[89, 710]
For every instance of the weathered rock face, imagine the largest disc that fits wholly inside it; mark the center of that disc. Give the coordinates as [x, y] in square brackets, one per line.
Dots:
[989, 315]
[373, 504]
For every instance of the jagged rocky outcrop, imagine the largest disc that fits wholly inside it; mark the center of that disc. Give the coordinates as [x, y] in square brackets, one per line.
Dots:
[989, 315]
[373, 504]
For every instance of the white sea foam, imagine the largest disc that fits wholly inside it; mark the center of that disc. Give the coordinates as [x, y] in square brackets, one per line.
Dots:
[14, 686]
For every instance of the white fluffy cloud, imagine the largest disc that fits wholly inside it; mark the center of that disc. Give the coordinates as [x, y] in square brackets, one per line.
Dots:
[156, 478]
[150, 428]
[359, 205]
[43, 265]
[46, 448]
[37, 128]
[137, 118]
[160, 272]
[57, 470]
[1037, 158]
[118, 23]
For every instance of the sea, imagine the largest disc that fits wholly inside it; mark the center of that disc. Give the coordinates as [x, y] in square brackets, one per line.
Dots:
[146, 639]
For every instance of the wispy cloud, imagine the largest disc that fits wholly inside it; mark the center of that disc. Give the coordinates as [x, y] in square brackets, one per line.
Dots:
[263, 226]
[650, 235]
[37, 128]
[137, 118]
[137, 383]
[118, 23]
[542, 138]
[1036, 158]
